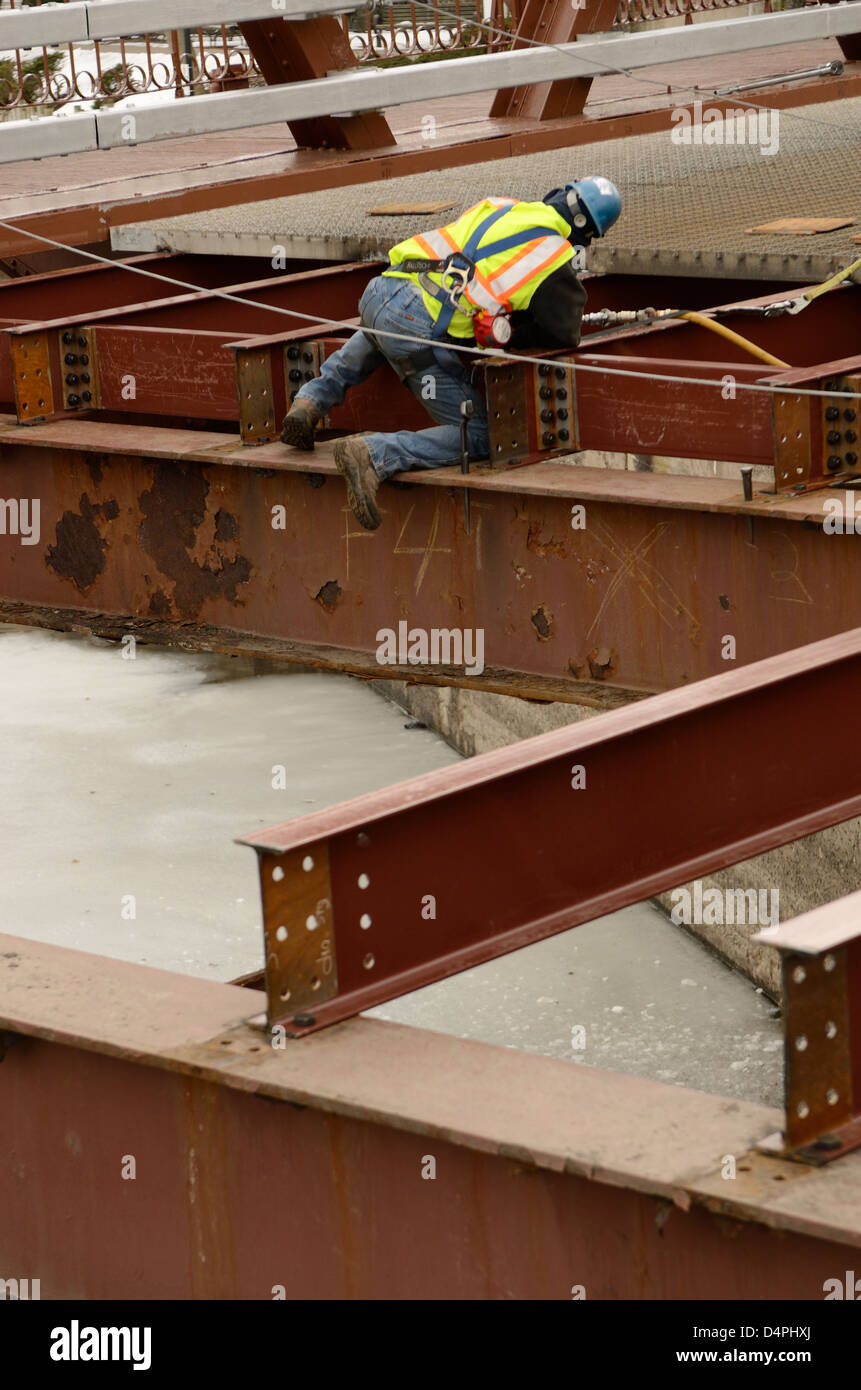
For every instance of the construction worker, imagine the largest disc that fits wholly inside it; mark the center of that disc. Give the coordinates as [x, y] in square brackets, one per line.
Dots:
[500, 276]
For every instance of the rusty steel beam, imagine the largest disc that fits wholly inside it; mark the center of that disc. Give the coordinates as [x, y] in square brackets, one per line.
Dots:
[553, 22]
[821, 972]
[519, 844]
[84, 290]
[184, 527]
[825, 328]
[87, 288]
[104, 1059]
[298, 51]
[186, 374]
[270, 372]
[324, 292]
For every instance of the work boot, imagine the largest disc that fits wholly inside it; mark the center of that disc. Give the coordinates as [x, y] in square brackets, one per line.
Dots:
[354, 461]
[300, 423]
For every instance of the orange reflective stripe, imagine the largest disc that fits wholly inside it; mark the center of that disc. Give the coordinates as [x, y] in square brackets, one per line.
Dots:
[536, 266]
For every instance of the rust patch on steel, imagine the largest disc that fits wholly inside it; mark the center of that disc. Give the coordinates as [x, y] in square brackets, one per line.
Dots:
[601, 663]
[226, 526]
[173, 532]
[328, 596]
[363, 665]
[159, 604]
[542, 621]
[542, 548]
[79, 553]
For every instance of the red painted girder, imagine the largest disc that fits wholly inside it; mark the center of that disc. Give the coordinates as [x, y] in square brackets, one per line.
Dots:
[508, 850]
[827, 328]
[553, 22]
[332, 290]
[537, 1174]
[296, 51]
[87, 288]
[637, 414]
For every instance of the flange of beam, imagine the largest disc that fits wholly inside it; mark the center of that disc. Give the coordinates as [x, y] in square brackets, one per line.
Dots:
[821, 969]
[316, 293]
[383, 894]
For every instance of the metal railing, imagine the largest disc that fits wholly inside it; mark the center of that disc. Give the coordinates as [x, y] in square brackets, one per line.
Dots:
[104, 72]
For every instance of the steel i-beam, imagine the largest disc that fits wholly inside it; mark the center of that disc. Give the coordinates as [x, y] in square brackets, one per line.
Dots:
[386, 893]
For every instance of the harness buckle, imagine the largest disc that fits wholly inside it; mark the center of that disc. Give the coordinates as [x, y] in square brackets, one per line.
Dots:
[455, 281]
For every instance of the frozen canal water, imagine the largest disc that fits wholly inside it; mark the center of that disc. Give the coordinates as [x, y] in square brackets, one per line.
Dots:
[124, 783]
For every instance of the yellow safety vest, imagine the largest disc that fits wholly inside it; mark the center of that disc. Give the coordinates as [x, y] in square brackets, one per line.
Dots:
[502, 282]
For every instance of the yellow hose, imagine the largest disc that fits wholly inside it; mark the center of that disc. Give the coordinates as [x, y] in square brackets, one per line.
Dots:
[733, 337]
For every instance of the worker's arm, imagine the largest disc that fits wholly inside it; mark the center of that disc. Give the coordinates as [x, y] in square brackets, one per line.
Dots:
[553, 317]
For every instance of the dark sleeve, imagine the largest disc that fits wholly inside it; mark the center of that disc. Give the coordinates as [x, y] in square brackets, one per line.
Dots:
[553, 317]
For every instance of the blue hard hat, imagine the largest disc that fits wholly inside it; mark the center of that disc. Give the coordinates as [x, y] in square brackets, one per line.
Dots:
[598, 198]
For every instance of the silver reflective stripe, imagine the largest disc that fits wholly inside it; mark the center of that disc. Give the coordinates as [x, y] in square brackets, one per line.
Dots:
[437, 242]
[479, 295]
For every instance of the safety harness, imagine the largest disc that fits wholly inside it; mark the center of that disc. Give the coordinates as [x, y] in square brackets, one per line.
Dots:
[462, 277]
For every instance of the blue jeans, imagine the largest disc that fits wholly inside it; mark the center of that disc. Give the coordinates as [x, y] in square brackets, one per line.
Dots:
[396, 305]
